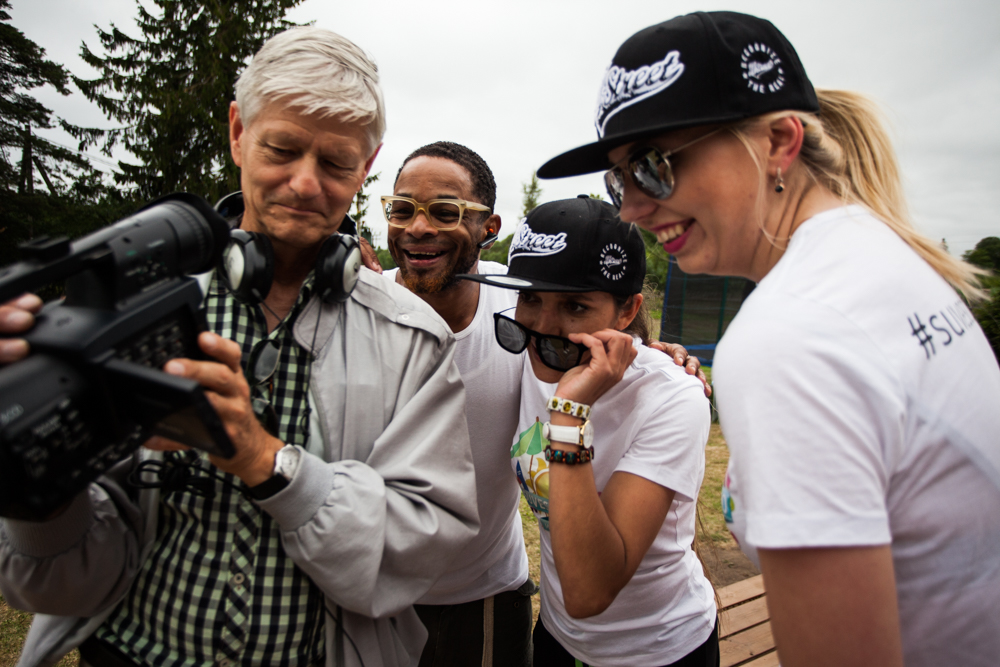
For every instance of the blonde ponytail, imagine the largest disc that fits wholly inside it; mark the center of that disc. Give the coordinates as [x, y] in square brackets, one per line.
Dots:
[847, 150]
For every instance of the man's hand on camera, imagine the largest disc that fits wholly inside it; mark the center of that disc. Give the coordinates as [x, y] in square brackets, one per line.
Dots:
[17, 316]
[228, 392]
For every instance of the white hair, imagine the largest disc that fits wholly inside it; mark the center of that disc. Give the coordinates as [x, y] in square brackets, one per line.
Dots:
[317, 71]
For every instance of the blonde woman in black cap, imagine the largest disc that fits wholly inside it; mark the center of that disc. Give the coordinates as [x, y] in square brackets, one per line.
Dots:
[857, 394]
[610, 451]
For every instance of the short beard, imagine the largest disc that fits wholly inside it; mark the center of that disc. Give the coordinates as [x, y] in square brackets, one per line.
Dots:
[421, 284]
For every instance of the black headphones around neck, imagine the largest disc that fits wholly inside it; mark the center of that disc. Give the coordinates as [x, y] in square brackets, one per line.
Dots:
[247, 266]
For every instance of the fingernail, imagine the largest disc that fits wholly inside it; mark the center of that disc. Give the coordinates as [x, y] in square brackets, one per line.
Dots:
[17, 318]
[174, 367]
[12, 350]
[28, 301]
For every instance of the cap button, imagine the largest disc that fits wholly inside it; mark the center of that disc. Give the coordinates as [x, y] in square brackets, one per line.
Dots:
[583, 196]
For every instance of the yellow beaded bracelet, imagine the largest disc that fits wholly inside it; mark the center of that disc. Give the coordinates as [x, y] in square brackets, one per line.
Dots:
[569, 407]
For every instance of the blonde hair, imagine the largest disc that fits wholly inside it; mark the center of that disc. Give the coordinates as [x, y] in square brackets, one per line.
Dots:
[847, 150]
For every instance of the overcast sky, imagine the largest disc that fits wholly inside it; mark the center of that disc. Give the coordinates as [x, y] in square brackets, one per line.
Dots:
[517, 81]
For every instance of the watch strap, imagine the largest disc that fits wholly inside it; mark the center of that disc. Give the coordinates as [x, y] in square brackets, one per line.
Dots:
[569, 434]
[268, 488]
[286, 463]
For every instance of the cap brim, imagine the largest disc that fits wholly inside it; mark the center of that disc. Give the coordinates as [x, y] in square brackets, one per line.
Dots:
[594, 157]
[514, 282]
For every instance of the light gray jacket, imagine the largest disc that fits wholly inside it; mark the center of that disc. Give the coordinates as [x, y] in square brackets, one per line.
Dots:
[374, 522]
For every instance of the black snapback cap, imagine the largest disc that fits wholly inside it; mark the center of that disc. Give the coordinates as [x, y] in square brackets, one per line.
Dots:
[697, 69]
[573, 245]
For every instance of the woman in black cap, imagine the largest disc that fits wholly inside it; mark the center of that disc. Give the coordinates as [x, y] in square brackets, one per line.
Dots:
[614, 489]
[857, 394]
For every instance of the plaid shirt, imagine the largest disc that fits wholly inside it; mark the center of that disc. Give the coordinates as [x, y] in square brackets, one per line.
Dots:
[217, 587]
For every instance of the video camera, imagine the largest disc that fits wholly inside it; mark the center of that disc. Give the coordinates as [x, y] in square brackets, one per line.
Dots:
[92, 390]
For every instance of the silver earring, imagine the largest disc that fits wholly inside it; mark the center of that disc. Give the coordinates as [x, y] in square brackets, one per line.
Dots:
[779, 182]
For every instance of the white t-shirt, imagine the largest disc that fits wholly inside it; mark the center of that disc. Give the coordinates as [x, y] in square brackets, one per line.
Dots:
[861, 404]
[495, 561]
[654, 424]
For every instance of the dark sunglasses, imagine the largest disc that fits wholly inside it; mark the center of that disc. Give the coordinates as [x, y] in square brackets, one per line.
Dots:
[650, 170]
[556, 352]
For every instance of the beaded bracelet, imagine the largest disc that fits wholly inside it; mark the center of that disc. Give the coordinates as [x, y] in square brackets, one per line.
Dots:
[585, 455]
[569, 407]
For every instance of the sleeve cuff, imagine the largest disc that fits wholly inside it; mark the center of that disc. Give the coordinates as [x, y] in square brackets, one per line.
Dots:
[769, 531]
[305, 494]
[48, 538]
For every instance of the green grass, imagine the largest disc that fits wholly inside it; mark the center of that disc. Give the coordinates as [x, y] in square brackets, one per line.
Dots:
[13, 627]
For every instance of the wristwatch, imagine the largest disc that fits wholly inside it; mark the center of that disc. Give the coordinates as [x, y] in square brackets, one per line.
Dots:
[574, 435]
[286, 462]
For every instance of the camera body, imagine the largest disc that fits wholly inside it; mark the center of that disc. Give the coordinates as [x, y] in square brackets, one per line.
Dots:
[92, 390]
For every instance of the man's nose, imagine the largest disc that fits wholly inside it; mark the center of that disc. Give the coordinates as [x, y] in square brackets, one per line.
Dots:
[421, 225]
[305, 178]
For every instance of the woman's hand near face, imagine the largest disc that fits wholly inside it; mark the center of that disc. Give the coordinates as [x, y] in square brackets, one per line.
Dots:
[611, 352]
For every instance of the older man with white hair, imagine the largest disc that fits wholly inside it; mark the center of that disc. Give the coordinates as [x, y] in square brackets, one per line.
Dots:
[352, 486]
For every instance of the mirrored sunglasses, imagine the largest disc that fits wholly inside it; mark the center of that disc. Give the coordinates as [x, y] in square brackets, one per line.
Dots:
[556, 352]
[650, 170]
[260, 368]
[443, 214]
[263, 361]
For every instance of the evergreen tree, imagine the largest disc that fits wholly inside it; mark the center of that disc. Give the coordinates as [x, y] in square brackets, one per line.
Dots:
[170, 90]
[986, 255]
[361, 209]
[532, 192]
[44, 187]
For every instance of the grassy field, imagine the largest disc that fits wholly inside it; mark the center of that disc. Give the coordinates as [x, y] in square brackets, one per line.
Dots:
[717, 549]
[13, 627]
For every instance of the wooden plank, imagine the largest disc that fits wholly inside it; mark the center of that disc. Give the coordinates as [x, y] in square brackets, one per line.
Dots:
[741, 591]
[737, 619]
[769, 660]
[737, 649]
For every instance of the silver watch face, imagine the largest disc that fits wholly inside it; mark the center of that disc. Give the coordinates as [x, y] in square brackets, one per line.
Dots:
[587, 434]
[286, 462]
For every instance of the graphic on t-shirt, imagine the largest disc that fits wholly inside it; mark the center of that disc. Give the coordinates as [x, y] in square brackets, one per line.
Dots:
[951, 321]
[532, 470]
[727, 501]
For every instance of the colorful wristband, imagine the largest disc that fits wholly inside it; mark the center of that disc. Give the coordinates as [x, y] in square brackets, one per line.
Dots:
[569, 407]
[585, 455]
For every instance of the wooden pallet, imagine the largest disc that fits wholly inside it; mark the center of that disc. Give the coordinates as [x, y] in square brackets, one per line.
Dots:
[745, 638]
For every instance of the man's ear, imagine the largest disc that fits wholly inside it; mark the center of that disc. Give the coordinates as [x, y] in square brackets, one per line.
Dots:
[491, 231]
[785, 136]
[371, 160]
[236, 131]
